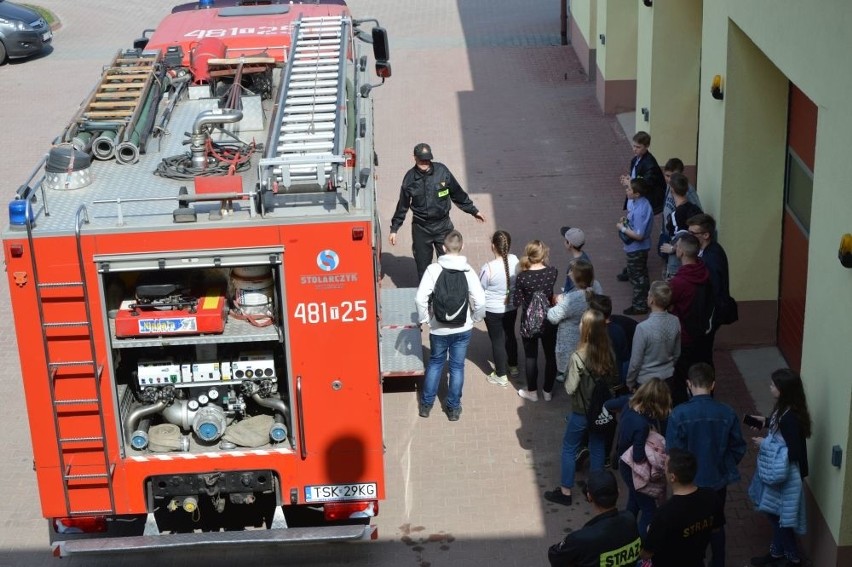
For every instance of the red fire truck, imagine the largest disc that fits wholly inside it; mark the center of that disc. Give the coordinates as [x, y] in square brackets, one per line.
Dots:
[194, 270]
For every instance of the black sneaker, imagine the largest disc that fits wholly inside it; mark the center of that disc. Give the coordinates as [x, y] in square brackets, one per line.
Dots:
[557, 497]
[581, 457]
[453, 414]
[634, 311]
[424, 409]
[768, 560]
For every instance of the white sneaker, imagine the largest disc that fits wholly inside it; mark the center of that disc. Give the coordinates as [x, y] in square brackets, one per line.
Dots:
[514, 371]
[548, 396]
[527, 395]
[498, 380]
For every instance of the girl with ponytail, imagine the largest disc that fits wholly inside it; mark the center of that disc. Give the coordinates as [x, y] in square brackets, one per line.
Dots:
[498, 280]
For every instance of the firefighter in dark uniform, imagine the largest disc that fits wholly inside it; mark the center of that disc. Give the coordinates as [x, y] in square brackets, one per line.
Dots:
[610, 538]
[427, 190]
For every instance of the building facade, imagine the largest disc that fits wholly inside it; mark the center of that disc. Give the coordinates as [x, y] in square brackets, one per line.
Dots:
[768, 149]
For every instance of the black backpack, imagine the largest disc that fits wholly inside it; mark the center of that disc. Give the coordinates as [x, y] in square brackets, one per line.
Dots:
[699, 319]
[532, 322]
[598, 417]
[449, 299]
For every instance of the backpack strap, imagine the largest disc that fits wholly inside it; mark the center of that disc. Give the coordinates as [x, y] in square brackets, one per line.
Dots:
[580, 384]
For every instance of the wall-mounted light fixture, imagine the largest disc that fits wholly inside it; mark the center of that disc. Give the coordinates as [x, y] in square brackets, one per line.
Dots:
[648, 3]
[602, 37]
[716, 88]
[845, 252]
[646, 114]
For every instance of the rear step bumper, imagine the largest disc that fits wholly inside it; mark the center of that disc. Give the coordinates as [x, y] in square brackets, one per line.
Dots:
[247, 537]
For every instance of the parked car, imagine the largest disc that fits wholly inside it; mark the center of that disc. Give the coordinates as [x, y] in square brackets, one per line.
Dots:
[23, 32]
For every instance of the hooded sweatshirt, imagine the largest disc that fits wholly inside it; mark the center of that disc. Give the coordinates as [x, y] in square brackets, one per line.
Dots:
[683, 286]
[476, 295]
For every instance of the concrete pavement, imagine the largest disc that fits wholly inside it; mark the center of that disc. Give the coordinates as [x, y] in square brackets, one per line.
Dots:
[510, 112]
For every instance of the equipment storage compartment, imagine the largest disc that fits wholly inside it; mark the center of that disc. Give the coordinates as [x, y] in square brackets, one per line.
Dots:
[198, 351]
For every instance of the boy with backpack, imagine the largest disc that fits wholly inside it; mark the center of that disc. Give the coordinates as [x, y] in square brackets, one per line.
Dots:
[450, 299]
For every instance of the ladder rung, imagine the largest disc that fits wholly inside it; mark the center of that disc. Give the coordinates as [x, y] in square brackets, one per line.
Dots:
[72, 363]
[314, 40]
[314, 78]
[308, 127]
[315, 84]
[115, 87]
[319, 50]
[308, 118]
[113, 95]
[90, 115]
[309, 100]
[115, 104]
[132, 68]
[310, 109]
[311, 92]
[66, 324]
[322, 71]
[82, 476]
[312, 146]
[309, 60]
[79, 402]
[91, 512]
[151, 59]
[80, 439]
[60, 284]
[125, 77]
[307, 137]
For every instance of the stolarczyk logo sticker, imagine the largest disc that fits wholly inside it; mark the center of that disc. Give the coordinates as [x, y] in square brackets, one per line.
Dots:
[327, 260]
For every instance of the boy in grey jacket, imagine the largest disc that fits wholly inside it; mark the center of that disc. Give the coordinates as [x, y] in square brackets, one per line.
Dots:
[656, 344]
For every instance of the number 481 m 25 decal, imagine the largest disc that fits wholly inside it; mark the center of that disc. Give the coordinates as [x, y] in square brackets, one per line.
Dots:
[321, 312]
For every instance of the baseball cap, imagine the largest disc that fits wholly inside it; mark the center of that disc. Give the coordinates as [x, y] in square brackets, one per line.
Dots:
[573, 236]
[602, 486]
[423, 151]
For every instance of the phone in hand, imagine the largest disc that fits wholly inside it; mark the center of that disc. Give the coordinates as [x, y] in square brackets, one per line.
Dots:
[752, 421]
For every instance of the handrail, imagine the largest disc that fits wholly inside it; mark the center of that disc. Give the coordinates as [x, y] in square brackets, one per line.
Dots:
[300, 407]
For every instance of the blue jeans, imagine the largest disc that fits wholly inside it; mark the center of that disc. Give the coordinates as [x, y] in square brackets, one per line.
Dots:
[783, 540]
[636, 501]
[574, 433]
[441, 345]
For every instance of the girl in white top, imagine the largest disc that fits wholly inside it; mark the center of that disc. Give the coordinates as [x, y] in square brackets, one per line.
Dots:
[498, 280]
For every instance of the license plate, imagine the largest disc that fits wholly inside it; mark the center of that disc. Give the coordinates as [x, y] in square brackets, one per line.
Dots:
[46, 36]
[331, 492]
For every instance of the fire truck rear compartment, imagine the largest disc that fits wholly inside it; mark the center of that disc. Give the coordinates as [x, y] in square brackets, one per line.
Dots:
[188, 502]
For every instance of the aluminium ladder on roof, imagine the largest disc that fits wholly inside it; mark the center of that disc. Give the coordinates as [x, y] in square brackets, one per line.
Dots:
[307, 134]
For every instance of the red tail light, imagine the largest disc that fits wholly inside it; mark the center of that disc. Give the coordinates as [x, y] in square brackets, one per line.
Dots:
[80, 525]
[346, 510]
